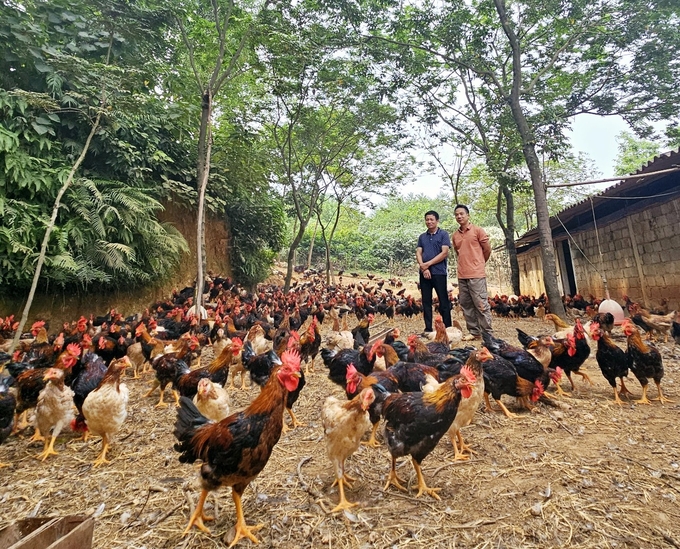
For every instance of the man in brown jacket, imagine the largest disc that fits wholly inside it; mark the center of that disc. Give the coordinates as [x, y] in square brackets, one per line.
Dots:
[473, 249]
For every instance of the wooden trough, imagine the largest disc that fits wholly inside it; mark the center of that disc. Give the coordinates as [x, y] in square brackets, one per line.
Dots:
[72, 532]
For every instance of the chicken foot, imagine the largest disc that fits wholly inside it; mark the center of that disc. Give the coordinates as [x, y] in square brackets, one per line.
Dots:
[48, 450]
[197, 517]
[343, 503]
[372, 441]
[661, 398]
[241, 530]
[507, 412]
[154, 386]
[561, 392]
[394, 479]
[585, 377]
[37, 437]
[644, 399]
[101, 459]
[422, 487]
[617, 400]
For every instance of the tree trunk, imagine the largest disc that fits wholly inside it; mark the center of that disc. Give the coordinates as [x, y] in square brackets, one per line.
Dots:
[203, 172]
[311, 245]
[531, 159]
[291, 255]
[509, 232]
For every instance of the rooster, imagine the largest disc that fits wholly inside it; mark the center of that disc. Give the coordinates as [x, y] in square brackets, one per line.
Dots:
[644, 360]
[344, 423]
[235, 450]
[415, 422]
[612, 360]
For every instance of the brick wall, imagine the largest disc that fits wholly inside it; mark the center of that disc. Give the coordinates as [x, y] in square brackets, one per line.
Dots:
[649, 275]
[646, 276]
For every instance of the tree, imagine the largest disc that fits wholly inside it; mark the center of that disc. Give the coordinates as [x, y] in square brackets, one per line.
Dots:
[633, 153]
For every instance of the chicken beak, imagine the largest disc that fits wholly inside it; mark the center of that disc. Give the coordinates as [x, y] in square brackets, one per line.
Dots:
[297, 374]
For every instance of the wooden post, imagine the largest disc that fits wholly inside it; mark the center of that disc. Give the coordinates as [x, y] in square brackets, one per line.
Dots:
[638, 261]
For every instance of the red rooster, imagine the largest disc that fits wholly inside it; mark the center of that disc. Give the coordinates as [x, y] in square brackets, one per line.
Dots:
[235, 450]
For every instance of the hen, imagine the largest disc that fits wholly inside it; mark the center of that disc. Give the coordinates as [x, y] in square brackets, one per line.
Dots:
[212, 400]
[186, 380]
[645, 361]
[344, 423]
[310, 342]
[235, 450]
[88, 374]
[105, 408]
[612, 360]
[570, 354]
[415, 422]
[54, 409]
[167, 365]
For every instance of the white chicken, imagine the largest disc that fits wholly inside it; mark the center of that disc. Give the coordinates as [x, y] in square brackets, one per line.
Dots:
[344, 423]
[212, 400]
[257, 339]
[339, 339]
[54, 409]
[105, 408]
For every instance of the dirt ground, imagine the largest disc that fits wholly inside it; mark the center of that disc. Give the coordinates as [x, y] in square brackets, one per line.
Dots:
[588, 474]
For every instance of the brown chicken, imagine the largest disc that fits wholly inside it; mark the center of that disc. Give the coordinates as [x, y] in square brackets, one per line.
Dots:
[235, 450]
[54, 409]
[344, 423]
[105, 408]
[166, 366]
[310, 342]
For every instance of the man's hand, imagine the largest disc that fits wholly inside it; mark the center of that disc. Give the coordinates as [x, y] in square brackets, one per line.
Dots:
[426, 274]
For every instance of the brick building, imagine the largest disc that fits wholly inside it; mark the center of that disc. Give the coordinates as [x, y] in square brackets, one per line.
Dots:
[637, 223]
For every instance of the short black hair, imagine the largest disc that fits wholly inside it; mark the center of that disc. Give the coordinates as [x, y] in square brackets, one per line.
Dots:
[467, 210]
[432, 212]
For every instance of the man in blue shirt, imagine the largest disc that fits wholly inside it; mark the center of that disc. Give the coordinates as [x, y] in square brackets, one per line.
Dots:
[431, 253]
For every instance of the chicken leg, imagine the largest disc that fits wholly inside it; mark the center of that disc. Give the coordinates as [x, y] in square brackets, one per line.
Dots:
[561, 392]
[507, 412]
[37, 437]
[644, 399]
[624, 390]
[48, 450]
[197, 517]
[661, 398]
[154, 386]
[617, 400]
[101, 460]
[585, 377]
[422, 487]
[372, 441]
[241, 529]
[394, 479]
[343, 503]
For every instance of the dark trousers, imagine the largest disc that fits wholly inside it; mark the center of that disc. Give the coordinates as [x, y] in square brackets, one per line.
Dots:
[438, 282]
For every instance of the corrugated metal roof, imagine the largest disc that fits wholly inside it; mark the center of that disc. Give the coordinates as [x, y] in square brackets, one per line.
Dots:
[579, 216]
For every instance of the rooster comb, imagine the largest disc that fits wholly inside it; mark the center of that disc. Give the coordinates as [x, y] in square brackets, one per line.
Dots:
[467, 372]
[291, 357]
[37, 325]
[73, 349]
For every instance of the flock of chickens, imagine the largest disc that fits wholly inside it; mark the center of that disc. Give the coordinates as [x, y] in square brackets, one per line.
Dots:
[420, 390]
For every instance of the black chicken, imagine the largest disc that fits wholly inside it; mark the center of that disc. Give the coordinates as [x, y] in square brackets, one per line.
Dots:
[612, 360]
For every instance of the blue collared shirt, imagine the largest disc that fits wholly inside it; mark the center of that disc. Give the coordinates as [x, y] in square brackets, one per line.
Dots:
[432, 246]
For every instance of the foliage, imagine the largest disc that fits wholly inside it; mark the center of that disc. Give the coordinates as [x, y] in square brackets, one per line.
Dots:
[633, 153]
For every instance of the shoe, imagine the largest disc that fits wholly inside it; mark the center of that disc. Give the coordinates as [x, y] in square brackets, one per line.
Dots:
[471, 337]
[426, 333]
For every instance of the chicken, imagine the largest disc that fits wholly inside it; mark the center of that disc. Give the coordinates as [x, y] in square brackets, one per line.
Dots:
[344, 423]
[88, 374]
[31, 381]
[235, 450]
[392, 339]
[605, 321]
[167, 365]
[570, 354]
[339, 339]
[7, 405]
[675, 329]
[531, 364]
[644, 360]
[105, 408]
[310, 342]
[220, 342]
[337, 362]
[612, 360]
[186, 380]
[361, 332]
[212, 400]
[258, 340]
[54, 409]
[468, 406]
[453, 335]
[659, 324]
[415, 422]
[143, 351]
[561, 327]
[259, 366]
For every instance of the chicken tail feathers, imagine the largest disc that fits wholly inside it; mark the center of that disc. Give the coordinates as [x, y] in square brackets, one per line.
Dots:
[247, 354]
[189, 420]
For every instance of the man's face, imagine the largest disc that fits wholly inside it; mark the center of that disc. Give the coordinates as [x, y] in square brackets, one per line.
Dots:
[431, 222]
[461, 216]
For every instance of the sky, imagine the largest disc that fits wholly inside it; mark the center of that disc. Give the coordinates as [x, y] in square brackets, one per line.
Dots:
[594, 135]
